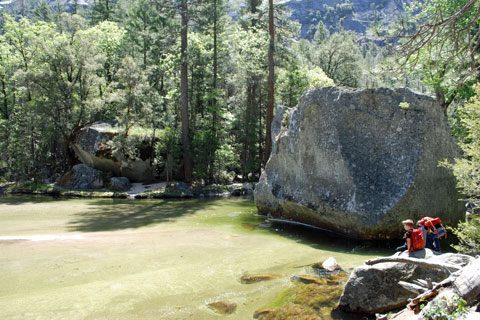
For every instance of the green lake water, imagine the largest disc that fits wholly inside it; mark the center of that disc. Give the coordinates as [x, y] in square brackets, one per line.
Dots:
[148, 259]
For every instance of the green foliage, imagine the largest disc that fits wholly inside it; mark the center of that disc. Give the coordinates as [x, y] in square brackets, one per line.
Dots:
[120, 60]
[449, 309]
[338, 57]
[468, 234]
[445, 54]
[466, 170]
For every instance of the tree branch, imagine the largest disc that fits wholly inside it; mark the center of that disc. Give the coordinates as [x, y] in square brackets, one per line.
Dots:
[415, 261]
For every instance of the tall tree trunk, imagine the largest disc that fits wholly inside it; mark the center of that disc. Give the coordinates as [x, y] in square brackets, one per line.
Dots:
[271, 85]
[187, 162]
[22, 7]
[107, 9]
[214, 85]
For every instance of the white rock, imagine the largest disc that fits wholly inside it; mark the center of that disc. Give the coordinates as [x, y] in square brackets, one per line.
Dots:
[330, 264]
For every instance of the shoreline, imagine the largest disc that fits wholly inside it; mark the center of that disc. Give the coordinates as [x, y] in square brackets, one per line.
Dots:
[179, 191]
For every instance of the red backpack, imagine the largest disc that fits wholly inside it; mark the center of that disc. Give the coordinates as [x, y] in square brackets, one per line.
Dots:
[436, 225]
[416, 237]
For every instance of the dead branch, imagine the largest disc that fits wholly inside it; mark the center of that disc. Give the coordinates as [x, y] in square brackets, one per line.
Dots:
[419, 262]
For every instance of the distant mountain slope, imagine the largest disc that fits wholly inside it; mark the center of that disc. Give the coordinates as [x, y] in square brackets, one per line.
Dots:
[356, 15]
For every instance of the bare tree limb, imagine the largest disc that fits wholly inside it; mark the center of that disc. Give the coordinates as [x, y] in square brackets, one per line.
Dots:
[415, 261]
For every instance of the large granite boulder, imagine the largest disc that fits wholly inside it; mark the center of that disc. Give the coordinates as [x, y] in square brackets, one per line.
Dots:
[358, 162]
[94, 148]
[375, 289]
[82, 177]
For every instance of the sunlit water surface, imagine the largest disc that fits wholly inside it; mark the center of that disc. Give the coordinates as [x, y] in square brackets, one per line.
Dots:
[148, 259]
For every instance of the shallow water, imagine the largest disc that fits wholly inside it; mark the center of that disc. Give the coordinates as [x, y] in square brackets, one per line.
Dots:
[148, 259]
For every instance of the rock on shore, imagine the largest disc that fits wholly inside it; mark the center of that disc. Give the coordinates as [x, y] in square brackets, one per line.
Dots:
[357, 162]
[374, 288]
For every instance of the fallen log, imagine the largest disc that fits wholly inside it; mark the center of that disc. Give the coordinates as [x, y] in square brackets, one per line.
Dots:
[467, 283]
[419, 262]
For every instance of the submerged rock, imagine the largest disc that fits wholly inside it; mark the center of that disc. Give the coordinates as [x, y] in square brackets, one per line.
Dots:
[223, 307]
[309, 279]
[252, 278]
[375, 289]
[357, 162]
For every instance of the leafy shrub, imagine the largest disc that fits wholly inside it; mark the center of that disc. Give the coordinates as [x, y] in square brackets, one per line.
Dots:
[449, 309]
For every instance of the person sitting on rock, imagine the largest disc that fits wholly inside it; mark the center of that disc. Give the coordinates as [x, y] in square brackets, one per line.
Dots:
[408, 225]
[433, 241]
[424, 232]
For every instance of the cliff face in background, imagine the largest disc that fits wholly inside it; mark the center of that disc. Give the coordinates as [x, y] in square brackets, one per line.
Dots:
[358, 162]
[355, 15]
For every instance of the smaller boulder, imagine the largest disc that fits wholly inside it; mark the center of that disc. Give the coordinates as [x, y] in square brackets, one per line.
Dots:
[82, 177]
[119, 184]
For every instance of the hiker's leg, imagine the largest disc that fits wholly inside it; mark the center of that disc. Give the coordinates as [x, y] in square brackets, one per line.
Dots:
[431, 240]
[437, 243]
[402, 248]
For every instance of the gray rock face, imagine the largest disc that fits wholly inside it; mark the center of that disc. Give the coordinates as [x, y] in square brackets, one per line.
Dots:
[82, 177]
[119, 184]
[93, 149]
[375, 289]
[355, 162]
[357, 17]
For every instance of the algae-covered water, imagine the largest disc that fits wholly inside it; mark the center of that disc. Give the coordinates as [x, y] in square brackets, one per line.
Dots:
[147, 259]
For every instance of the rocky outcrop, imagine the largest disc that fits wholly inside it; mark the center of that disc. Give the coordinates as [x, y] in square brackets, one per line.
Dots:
[82, 177]
[375, 289]
[94, 148]
[357, 162]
